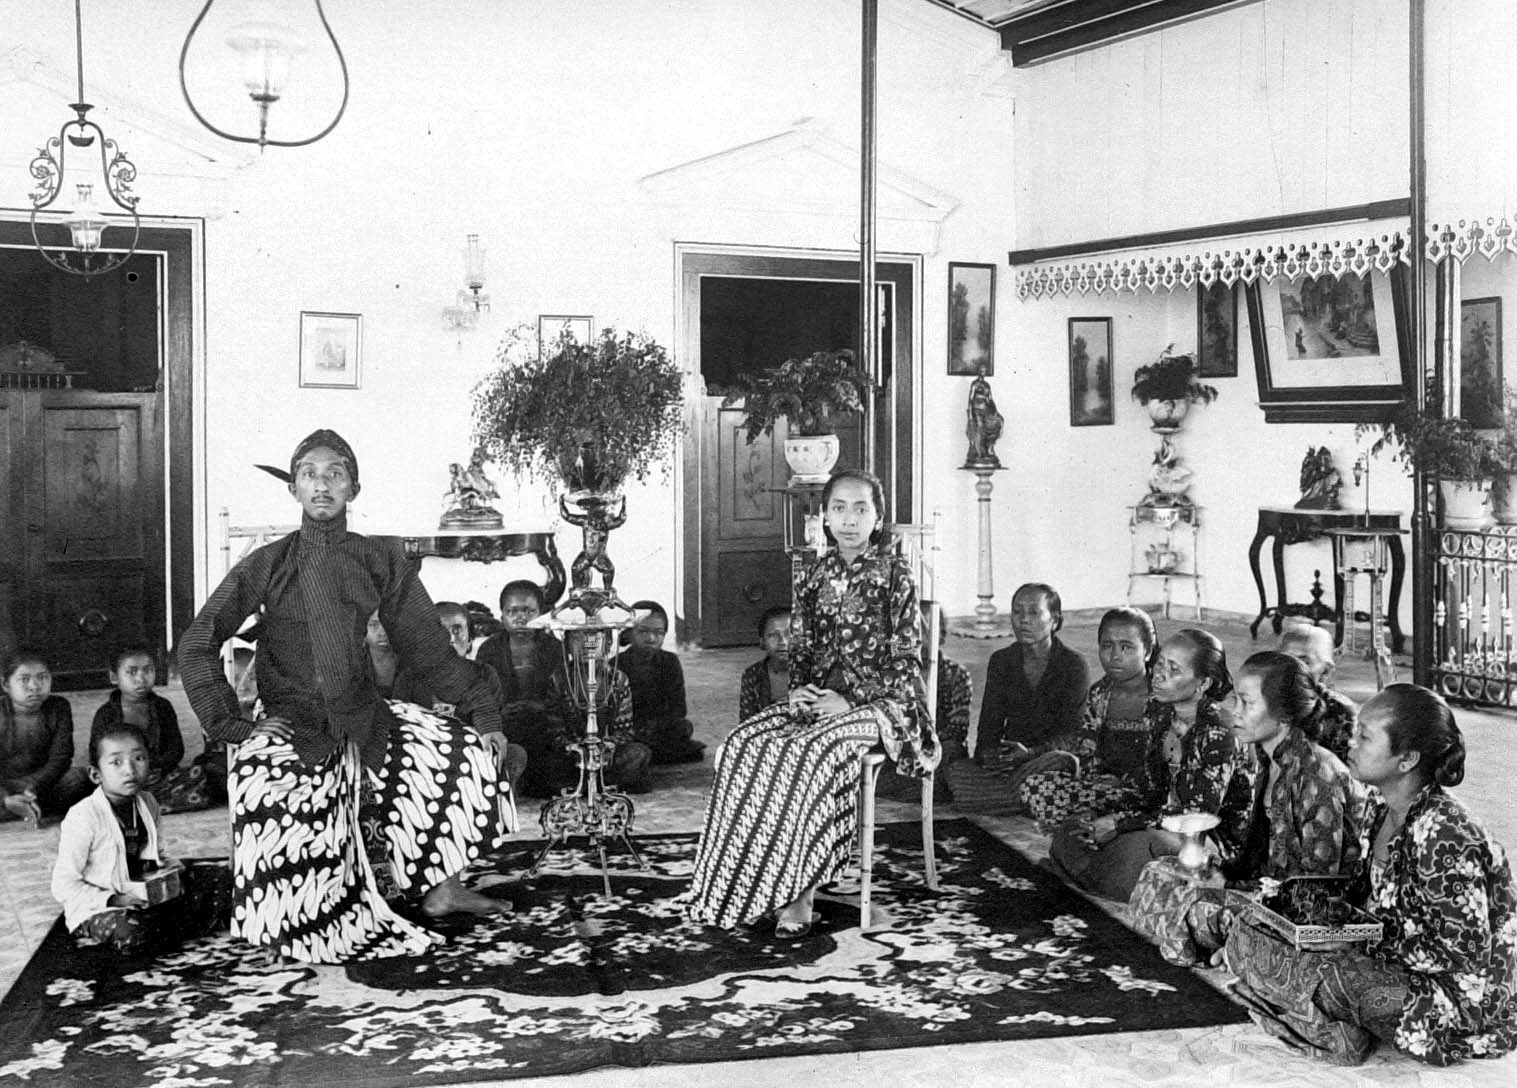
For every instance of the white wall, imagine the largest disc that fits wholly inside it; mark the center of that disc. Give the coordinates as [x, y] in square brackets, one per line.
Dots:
[532, 125]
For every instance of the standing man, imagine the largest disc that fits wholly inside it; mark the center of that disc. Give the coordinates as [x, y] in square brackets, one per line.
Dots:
[329, 747]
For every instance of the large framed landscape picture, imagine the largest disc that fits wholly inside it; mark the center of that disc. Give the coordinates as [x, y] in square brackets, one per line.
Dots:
[971, 319]
[1091, 403]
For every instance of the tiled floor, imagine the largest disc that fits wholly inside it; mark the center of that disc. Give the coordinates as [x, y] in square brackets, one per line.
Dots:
[1206, 1058]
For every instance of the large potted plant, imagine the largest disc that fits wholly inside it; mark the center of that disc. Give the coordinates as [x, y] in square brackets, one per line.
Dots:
[588, 415]
[1462, 458]
[1168, 386]
[811, 393]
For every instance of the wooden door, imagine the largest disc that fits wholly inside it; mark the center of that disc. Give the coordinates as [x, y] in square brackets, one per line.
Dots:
[12, 523]
[94, 557]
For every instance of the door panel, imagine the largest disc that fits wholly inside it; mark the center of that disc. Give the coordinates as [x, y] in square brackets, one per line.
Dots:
[94, 565]
[12, 519]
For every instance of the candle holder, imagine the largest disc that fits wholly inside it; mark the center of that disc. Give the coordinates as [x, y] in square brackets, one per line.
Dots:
[589, 623]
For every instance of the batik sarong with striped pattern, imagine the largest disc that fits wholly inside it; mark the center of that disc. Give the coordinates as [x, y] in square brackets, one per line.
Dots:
[303, 882]
[783, 811]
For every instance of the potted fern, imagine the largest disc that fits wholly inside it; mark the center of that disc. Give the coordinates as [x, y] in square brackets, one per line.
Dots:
[1168, 386]
[812, 394]
[1462, 458]
[587, 415]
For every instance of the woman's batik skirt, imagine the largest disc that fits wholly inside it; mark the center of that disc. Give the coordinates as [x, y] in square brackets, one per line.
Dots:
[783, 812]
[303, 882]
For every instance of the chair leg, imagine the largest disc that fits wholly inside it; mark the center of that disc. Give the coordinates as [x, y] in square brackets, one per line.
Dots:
[929, 847]
[866, 840]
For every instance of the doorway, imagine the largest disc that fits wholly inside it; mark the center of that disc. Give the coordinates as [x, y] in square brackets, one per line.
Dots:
[740, 313]
[94, 394]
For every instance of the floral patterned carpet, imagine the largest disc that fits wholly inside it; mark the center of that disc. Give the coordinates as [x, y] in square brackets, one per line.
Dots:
[570, 982]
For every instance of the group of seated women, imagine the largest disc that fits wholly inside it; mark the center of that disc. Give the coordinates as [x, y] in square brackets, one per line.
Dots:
[1295, 787]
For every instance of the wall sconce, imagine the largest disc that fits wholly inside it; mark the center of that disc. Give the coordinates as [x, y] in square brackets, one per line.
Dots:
[265, 48]
[85, 222]
[463, 315]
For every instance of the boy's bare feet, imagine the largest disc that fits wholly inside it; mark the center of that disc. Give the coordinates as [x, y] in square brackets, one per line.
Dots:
[451, 897]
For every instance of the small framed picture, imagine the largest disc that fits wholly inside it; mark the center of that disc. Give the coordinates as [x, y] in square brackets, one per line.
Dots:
[1480, 361]
[553, 327]
[971, 319]
[330, 349]
[1217, 331]
[1090, 398]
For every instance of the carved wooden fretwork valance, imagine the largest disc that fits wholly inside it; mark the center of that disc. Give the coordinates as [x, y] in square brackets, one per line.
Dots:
[1490, 237]
[1350, 249]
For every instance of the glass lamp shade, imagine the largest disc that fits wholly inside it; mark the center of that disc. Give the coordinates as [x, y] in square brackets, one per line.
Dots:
[85, 223]
[474, 264]
[267, 48]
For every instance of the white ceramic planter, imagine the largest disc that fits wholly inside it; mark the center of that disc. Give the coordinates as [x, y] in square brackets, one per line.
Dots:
[811, 457]
[1168, 414]
[1466, 504]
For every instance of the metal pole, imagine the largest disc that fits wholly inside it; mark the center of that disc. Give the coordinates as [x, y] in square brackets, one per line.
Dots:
[1423, 486]
[869, 328]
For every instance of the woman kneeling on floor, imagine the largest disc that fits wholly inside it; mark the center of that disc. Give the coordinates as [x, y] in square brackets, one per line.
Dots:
[1193, 765]
[1441, 985]
[782, 814]
[1305, 819]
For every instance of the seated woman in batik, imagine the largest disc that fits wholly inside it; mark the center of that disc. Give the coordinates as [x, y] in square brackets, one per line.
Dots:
[1111, 745]
[1306, 814]
[782, 812]
[1441, 984]
[1193, 765]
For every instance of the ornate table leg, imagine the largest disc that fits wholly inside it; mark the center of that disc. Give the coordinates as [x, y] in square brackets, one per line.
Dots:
[1398, 572]
[1277, 554]
[547, 558]
[1253, 565]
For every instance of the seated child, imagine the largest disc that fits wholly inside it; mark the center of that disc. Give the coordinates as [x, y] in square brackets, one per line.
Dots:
[1313, 647]
[658, 689]
[767, 681]
[36, 738]
[110, 841]
[628, 768]
[526, 660]
[412, 688]
[951, 720]
[382, 656]
[133, 672]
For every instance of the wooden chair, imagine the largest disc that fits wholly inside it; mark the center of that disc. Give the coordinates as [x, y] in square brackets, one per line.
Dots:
[914, 542]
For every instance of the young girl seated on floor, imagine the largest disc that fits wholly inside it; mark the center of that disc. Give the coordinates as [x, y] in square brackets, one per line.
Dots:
[133, 672]
[109, 848]
[658, 689]
[1111, 744]
[767, 681]
[36, 738]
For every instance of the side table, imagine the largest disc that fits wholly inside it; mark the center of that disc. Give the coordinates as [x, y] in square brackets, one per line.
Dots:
[1288, 525]
[491, 546]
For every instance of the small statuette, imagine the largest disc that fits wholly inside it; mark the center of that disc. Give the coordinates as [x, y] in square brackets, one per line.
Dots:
[984, 426]
[1320, 482]
[467, 503]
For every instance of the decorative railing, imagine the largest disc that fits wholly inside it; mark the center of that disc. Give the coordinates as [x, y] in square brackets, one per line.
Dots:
[1474, 642]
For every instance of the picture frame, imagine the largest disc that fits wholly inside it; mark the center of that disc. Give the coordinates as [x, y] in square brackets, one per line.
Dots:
[1091, 401]
[1217, 330]
[551, 326]
[1331, 349]
[971, 319]
[1480, 377]
[331, 350]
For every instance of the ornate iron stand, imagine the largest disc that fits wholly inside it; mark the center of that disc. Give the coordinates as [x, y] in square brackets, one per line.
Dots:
[589, 622]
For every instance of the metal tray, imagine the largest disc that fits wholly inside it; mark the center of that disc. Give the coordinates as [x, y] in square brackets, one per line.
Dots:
[1360, 926]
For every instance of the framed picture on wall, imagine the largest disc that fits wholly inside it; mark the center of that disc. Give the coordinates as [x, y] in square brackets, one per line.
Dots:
[551, 327]
[1480, 361]
[971, 318]
[1090, 397]
[330, 350]
[1217, 331]
[1330, 349]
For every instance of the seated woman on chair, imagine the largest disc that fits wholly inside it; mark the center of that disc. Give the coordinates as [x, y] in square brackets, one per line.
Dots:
[1441, 984]
[781, 817]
